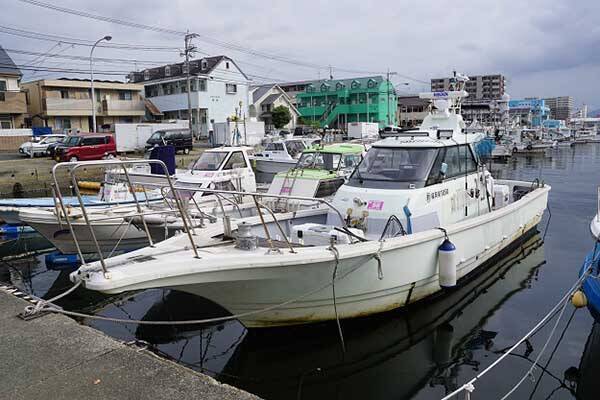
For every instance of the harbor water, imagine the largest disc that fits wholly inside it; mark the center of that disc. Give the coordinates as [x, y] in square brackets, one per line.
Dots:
[422, 352]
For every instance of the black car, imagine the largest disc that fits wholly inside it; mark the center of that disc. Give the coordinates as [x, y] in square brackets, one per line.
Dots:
[181, 139]
[66, 142]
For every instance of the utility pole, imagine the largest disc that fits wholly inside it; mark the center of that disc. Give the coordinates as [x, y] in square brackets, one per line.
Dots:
[189, 49]
[389, 86]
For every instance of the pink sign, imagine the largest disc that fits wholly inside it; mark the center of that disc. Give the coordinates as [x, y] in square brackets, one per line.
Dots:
[286, 190]
[375, 205]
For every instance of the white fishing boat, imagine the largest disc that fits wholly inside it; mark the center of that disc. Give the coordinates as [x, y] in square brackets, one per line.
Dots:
[280, 155]
[110, 194]
[417, 216]
[120, 227]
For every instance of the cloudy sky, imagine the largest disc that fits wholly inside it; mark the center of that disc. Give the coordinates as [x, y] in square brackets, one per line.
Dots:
[544, 47]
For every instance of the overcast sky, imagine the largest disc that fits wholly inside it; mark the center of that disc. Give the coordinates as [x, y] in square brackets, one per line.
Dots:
[544, 47]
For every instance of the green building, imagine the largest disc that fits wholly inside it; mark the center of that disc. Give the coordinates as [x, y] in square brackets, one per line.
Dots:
[337, 102]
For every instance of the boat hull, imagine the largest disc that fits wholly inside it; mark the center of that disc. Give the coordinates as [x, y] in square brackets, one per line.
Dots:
[107, 234]
[272, 166]
[246, 282]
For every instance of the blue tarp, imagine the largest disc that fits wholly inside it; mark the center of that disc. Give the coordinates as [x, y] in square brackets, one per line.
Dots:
[46, 130]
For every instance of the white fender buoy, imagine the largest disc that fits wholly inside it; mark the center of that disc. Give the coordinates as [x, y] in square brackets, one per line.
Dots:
[447, 264]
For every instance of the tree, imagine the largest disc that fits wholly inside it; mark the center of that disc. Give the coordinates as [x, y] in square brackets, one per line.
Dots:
[281, 116]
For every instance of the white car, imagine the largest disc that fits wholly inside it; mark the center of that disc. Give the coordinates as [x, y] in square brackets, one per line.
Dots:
[39, 147]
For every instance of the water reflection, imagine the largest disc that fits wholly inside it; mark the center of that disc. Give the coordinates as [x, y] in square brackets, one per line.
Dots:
[392, 355]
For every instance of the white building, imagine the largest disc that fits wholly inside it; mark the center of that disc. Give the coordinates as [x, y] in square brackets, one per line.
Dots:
[265, 98]
[219, 90]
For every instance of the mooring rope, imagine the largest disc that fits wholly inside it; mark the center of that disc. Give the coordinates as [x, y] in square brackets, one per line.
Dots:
[336, 254]
[469, 386]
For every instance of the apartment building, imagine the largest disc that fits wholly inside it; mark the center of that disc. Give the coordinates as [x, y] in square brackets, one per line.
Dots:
[560, 107]
[484, 91]
[13, 102]
[219, 91]
[65, 104]
[337, 102]
[412, 110]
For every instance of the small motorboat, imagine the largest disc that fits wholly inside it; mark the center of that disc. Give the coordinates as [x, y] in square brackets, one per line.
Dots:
[280, 155]
[416, 217]
[119, 227]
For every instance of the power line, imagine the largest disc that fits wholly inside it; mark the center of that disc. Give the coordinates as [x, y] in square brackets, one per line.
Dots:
[221, 43]
[86, 58]
[80, 42]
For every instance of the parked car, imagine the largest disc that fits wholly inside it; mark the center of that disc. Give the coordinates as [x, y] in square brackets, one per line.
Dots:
[303, 131]
[84, 148]
[39, 145]
[181, 139]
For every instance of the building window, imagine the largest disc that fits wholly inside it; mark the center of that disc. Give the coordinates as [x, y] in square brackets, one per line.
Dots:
[203, 65]
[125, 95]
[324, 87]
[167, 71]
[230, 88]
[63, 123]
[5, 122]
[64, 94]
[2, 86]
[339, 86]
[371, 83]
[201, 85]
[355, 84]
[227, 65]
[185, 68]
[146, 75]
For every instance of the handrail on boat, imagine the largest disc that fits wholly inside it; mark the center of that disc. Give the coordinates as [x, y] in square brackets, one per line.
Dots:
[72, 168]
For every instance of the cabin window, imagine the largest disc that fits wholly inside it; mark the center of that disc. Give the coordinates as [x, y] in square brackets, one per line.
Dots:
[329, 187]
[460, 161]
[210, 161]
[385, 167]
[236, 160]
[274, 147]
[294, 148]
[326, 161]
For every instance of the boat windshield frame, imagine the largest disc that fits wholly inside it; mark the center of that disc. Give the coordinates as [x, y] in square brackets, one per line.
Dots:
[218, 165]
[420, 169]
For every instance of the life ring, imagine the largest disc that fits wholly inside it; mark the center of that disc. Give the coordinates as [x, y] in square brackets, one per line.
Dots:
[529, 147]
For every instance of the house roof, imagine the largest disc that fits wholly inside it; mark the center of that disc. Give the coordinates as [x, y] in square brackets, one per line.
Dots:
[7, 65]
[270, 99]
[203, 66]
[260, 91]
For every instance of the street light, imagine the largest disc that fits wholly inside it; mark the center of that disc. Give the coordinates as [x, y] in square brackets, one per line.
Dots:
[108, 39]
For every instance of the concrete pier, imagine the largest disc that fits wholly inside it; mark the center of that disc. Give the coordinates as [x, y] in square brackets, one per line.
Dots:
[54, 357]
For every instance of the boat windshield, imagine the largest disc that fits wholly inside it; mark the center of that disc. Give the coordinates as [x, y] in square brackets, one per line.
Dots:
[316, 160]
[210, 161]
[384, 165]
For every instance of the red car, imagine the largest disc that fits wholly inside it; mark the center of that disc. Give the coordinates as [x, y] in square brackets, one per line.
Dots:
[84, 148]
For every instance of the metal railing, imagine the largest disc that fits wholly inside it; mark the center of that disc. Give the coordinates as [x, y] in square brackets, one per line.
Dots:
[176, 198]
[72, 169]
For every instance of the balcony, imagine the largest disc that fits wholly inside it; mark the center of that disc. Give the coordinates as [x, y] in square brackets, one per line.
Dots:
[13, 103]
[68, 107]
[114, 108]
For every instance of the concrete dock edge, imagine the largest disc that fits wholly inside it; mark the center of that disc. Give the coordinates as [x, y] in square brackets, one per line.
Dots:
[54, 357]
